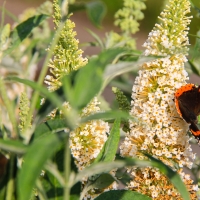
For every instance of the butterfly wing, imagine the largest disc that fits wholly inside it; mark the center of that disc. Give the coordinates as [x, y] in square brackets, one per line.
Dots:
[195, 130]
[197, 101]
[187, 101]
[187, 105]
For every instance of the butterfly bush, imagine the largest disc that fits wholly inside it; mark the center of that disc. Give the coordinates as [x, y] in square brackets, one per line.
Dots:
[159, 130]
[87, 140]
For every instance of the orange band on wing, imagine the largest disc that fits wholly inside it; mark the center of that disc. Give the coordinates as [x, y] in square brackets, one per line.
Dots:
[183, 89]
[195, 133]
[177, 107]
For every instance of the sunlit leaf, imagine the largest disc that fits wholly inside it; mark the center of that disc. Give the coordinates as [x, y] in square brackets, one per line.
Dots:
[109, 150]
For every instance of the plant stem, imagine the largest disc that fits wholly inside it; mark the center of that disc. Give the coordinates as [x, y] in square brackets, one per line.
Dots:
[41, 190]
[10, 108]
[67, 168]
[10, 185]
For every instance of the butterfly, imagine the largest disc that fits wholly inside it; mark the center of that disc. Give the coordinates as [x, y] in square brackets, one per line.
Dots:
[187, 102]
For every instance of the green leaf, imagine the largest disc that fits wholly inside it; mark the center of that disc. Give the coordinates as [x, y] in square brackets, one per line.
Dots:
[88, 81]
[23, 30]
[103, 181]
[96, 11]
[103, 167]
[53, 97]
[49, 126]
[108, 115]
[109, 150]
[13, 146]
[112, 142]
[76, 7]
[74, 197]
[120, 68]
[37, 155]
[122, 195]
[194, 69]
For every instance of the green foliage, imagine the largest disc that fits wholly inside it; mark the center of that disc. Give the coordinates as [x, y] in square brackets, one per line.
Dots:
[23, 30]
[36, 145]
[96, 12]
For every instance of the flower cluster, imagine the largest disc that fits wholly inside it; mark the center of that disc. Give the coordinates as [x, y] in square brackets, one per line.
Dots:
[152, 183]
[127, 19]
[159, 130]
[170, 37]
[87, 140]
[23, 111]
[128, 16]
[67, 56]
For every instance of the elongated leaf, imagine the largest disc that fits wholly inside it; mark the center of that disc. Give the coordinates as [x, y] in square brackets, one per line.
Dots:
[96, 10]
[50, 126]
[53, 97]
[88, 84]
[108, 115]
[109, 150]
[112, 142]
[122, 195]
[104, 167]
[38, 153]
[194, 68]
[13, 146]
[23, 30]
[101, 182]
[119, 68]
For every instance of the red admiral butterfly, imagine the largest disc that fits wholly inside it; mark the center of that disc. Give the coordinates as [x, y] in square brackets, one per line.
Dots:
[187, 101]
